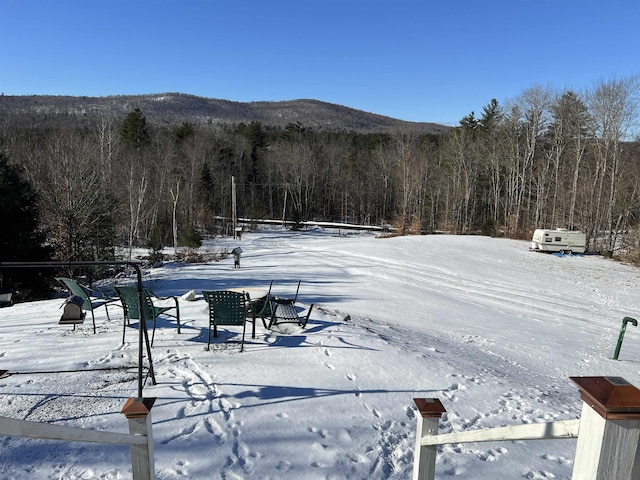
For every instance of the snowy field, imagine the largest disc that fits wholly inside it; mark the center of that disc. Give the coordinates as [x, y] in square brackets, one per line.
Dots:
[493, 330]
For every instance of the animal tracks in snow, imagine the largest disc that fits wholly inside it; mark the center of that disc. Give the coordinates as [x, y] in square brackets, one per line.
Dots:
[510, 408]
[206, 412]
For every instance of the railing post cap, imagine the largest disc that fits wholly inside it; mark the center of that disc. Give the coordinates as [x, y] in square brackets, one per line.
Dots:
[430, 407]
[612, 397]
[137, 407]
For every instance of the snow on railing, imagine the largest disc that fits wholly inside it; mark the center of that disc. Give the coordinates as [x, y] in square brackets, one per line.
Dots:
[608, 432]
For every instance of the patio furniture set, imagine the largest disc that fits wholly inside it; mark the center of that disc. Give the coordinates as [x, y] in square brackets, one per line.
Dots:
[233, 307]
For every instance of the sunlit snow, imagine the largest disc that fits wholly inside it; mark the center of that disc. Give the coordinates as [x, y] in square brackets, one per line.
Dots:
[490, 328]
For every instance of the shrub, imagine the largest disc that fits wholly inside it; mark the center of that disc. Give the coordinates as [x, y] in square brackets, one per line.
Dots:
[190, 238]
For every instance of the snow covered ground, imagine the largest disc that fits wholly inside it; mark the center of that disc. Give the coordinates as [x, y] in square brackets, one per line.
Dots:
[493, 330]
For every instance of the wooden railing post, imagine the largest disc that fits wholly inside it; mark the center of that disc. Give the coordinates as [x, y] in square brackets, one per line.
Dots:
[138, 412]
[609, 433]
[424, 460]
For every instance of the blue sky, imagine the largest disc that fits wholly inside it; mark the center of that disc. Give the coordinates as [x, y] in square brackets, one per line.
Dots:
[412, 60]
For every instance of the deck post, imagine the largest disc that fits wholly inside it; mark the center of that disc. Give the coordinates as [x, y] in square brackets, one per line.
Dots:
[424, 460]
[138, 412]
[609, 433]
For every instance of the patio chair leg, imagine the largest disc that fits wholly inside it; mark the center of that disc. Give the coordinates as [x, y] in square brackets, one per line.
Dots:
[273, 319]
[306, 319]
[177, 313]
[153, 333]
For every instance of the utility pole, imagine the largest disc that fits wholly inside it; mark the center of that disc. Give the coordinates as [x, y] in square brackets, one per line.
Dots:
[284, 207]
[233, 205]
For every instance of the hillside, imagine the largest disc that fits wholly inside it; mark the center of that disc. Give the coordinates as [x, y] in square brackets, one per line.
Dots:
[175, 108]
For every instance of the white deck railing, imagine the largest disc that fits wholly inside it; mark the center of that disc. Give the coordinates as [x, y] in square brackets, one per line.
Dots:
[610, 422]
[140, 438]
[512, 433]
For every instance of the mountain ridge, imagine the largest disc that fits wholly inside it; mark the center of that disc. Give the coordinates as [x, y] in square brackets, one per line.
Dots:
[175, 108]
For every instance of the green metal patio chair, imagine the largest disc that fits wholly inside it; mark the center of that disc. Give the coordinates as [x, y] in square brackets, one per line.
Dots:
[92, 298]
[130, 302]
[228, 308]
[285, 310]
[261, 307]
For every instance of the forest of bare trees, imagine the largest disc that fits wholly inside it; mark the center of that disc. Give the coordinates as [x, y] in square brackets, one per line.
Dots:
[546, 159]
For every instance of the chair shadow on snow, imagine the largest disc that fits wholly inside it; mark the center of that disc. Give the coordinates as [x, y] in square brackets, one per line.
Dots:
[280, 336]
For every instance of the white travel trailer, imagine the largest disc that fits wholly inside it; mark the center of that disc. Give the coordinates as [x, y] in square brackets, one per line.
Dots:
[560, 240]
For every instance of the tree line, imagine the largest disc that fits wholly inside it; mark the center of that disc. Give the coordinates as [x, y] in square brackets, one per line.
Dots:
[546, 158]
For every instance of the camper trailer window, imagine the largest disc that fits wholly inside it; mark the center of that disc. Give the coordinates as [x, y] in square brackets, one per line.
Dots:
[549, 239]
[558, 239]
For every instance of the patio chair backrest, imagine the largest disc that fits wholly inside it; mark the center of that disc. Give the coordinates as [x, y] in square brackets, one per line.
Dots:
[129, 296]
[76, 289]
[226, 307]
[261, 307]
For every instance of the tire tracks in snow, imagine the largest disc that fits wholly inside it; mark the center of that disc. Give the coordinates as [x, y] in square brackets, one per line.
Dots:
[422, 278]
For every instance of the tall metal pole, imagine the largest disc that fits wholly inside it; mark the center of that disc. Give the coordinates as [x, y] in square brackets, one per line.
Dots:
[284, 207]
[143, 334]
[233, 205]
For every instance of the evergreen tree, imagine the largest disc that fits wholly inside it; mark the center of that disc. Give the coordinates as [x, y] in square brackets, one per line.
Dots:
[184, 131]
[491, 115]
[190, 237]
[21, 240]
[258, 140]
[205, 196]
[134, 129]
[469, 121]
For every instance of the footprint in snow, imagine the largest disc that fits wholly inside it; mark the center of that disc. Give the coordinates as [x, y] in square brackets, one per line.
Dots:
[492, 455]
[411, 413]
[540, 475]
[321, 432]
[455, 471]
[557, 458]
[450, 394]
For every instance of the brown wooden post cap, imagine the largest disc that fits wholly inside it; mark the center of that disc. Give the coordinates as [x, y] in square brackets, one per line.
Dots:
[138, 407]
[612, 397]
[430, 407]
